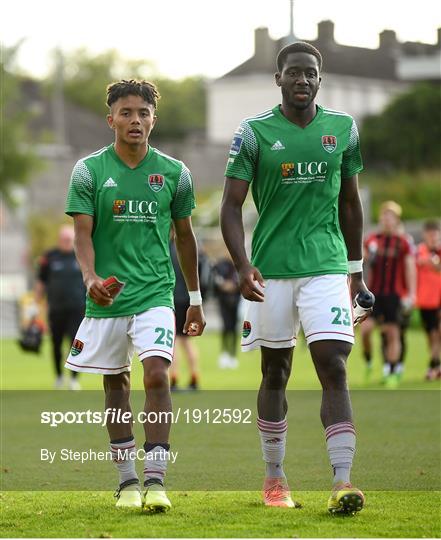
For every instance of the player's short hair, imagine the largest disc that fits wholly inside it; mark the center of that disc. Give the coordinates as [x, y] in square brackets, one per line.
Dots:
[432, 225]
[145, 89]
[393, 207]
[298, 46]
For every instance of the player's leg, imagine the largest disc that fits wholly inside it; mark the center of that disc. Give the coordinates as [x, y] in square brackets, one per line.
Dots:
[101, 346]
[325, 312]
[272, 326]
[192, 356]
[153, 335]
[174, 368]
[272, 408]
[231, 327]
[180, 314]
[390, 328]
[56, 325]
[366, 330]
[432, 326]
[158, 407]
[122, 441]
[404, 323]
[392, 335]
[226, 361]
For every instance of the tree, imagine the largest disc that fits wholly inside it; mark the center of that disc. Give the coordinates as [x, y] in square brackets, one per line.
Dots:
[181, 109]
[18, 161]
[407, 134]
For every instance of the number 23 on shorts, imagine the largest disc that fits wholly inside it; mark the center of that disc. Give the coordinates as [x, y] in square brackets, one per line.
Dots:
[341, 316]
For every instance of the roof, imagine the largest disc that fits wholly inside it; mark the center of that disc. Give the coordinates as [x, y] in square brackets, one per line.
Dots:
[379, 63]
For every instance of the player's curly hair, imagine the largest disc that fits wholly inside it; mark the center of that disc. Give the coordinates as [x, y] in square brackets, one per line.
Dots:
[298, 46]
[146, 90]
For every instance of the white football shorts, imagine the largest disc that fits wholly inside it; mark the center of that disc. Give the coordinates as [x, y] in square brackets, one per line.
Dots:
[106, 345]
[320, 304]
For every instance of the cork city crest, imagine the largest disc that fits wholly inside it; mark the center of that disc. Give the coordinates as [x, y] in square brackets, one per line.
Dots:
[329, 143]
[288, 170]
[246, 330]
[119, 207]
[77, 347]
[156, 182]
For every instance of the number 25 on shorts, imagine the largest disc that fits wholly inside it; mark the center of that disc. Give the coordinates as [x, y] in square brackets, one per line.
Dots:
[341, 316]
[165, 337]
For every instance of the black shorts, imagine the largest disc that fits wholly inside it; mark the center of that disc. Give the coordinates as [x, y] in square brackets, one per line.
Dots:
[430, 318]
[181, 315]
[387, 309]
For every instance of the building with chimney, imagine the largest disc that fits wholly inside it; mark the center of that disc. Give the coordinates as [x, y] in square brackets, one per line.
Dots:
[359, 81]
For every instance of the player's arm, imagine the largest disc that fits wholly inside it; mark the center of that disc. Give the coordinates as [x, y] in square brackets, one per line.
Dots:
[85, 253]
[187, 251]
[410, 276]
[235, 192]
[351, 225]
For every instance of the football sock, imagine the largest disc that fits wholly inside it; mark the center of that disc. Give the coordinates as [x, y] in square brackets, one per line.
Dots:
[399, 368]
[273, 440]
[124, 454]
[155, 461]
[367, 357]
[340, 442]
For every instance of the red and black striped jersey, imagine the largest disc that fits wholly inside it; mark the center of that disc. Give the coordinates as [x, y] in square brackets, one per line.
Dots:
[385, 256]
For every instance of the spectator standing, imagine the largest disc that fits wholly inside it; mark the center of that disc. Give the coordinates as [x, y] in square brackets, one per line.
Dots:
[227, 290]
[392, 278]
[59, 278]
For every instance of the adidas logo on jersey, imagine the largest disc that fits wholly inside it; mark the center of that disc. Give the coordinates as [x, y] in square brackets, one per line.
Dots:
[110, 182]
[277, 146]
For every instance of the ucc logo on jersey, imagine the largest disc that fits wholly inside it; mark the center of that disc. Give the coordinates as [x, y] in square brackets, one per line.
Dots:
[329, 143]
[156, 182]
[119, 207]
[288, 170]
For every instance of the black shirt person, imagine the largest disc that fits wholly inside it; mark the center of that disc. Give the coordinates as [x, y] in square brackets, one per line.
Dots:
[59, 278]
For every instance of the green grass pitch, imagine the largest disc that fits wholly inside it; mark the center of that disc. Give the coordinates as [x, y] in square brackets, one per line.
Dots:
[397, 461]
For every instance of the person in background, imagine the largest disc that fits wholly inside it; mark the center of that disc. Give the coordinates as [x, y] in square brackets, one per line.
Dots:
[184, 342]
[227, 291]
[428, 260]
[392, 278]
[59, 278]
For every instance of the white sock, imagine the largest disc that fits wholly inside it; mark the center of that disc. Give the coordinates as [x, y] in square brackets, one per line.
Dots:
[340, 441]
[124, 455]
[273, 440]
[155, 461]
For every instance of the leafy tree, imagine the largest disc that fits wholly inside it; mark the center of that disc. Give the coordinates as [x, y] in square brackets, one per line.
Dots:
[18, 160]
[407, 134]
[181, 109]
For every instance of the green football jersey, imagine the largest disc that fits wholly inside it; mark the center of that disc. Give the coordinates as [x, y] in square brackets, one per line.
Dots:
[132, 211]
[295, 175]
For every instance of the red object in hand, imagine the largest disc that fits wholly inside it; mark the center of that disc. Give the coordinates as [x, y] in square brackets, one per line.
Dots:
[114, 286]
